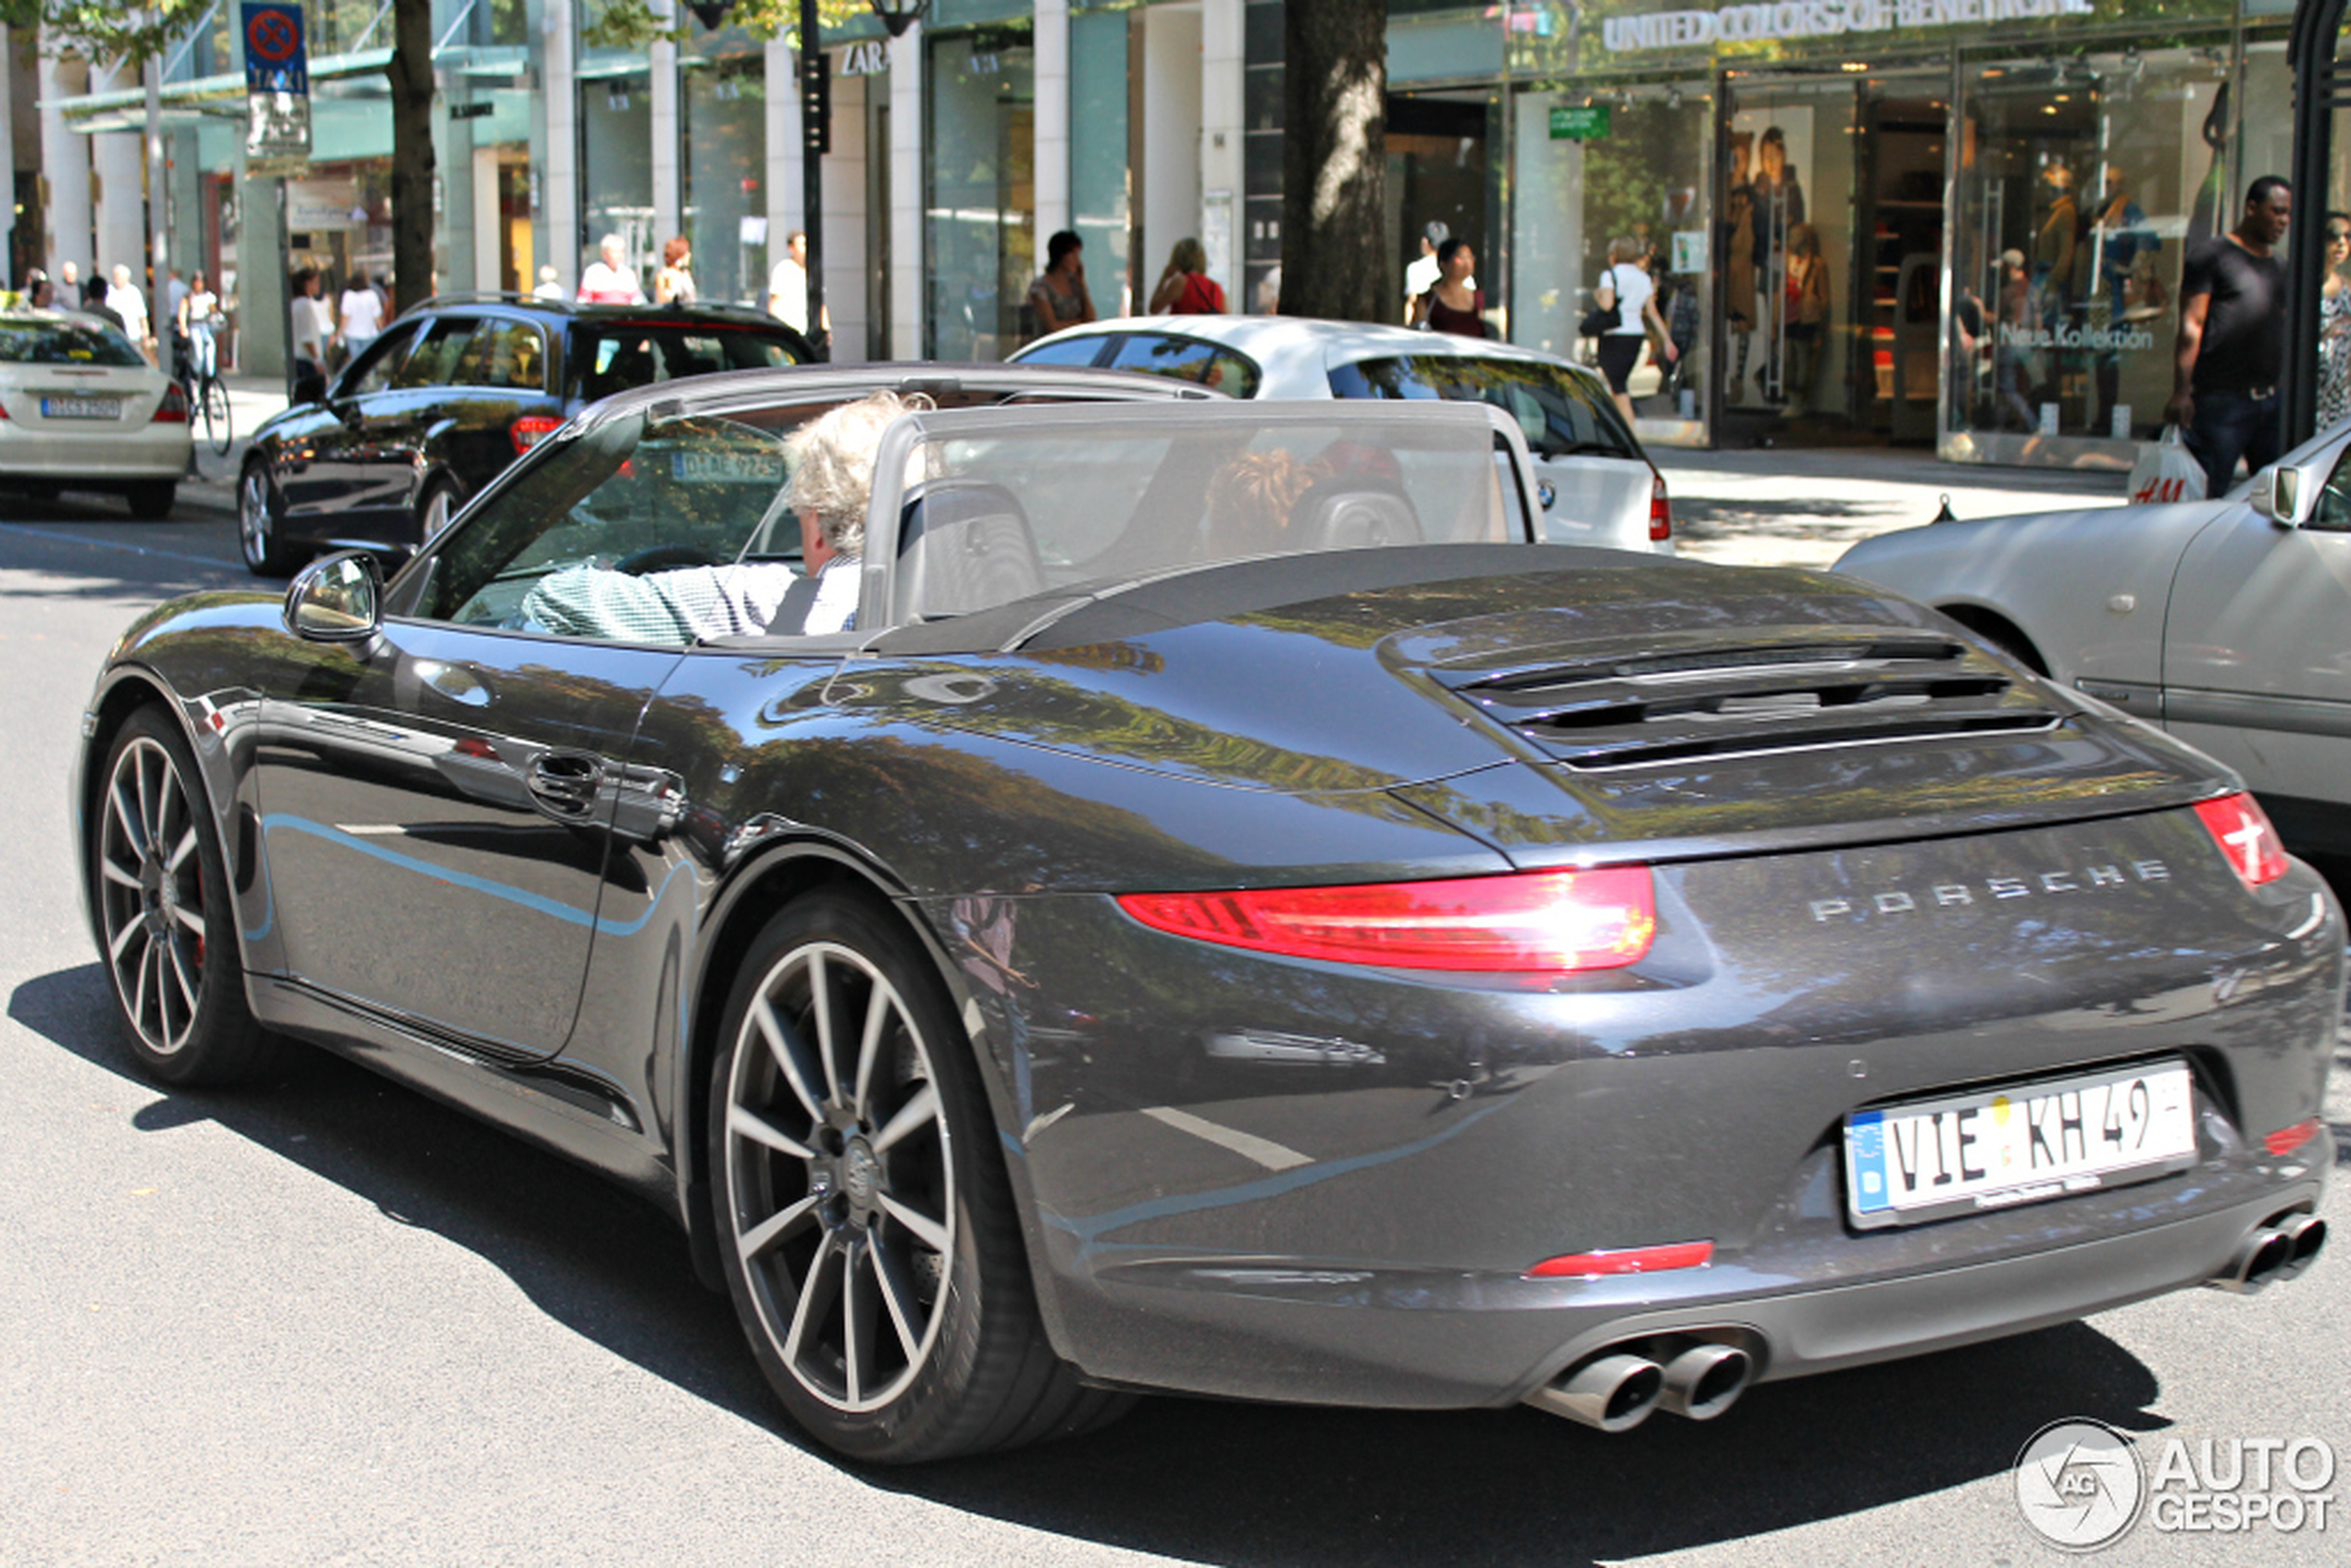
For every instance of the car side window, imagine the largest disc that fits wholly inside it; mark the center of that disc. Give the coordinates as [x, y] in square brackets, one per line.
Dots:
[2333, 514]
[508, 356]
[373, 371]
[1162, 353]
[642, 532]
[1069, 351]
[433, 363]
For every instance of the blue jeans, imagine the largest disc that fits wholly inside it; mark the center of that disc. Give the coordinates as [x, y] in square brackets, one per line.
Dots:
[2229, 425]
[207, 359]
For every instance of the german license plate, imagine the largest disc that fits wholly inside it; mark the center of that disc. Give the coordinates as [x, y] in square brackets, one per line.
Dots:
[1964, 1154]
[82, 408]
[726, 467]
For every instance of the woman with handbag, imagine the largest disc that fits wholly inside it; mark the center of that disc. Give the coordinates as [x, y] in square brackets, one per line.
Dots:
[1184, 288]
[1627, 294]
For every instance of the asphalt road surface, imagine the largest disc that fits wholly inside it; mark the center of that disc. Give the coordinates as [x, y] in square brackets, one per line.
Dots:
[328, 1321]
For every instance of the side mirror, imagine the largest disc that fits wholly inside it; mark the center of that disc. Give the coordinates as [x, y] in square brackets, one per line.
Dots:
[2278, 494]
[337, 598]
[310, 387]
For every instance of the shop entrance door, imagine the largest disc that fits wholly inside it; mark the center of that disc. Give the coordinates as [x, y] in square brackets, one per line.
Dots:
[1828, 251]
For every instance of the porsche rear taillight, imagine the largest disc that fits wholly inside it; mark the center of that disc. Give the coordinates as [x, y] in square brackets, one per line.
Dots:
[173, 409]
[532, 429]
[1540, 922]
[2242, 828]
[1660, 509]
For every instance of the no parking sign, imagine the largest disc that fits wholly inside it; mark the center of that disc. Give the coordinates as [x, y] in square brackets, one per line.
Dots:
[277, 88]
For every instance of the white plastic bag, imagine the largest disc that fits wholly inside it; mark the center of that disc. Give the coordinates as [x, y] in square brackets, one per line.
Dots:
[2167, 471]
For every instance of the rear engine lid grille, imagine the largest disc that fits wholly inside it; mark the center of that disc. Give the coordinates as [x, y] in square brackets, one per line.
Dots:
[1825, 689]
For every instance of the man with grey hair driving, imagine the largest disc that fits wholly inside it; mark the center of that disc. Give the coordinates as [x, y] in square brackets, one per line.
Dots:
[832, 484]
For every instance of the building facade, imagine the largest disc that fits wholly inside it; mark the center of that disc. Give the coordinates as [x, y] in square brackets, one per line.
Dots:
[1949, 223]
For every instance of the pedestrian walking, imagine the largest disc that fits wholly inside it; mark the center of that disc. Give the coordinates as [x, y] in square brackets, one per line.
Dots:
[673, 284]
[550, 286]
[130, 307]
[361, 309]
[1184, 288]
[1421, 273]
[2231, 339]
[787, 284]
[1454, 303]
[1627, 289]
[39, 292]
[312, 327]
[608, 280]
[2335, 326]
[93, 300]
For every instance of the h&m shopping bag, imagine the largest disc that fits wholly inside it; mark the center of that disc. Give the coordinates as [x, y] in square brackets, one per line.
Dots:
[2167, 471]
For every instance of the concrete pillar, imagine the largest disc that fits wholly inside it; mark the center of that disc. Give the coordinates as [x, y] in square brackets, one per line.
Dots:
[782, 109]
[845, 260]
[662, 61]
[907, 269]
[1172, 80]
[490, 225]
[1222, 126]
[559, 193]
[261, 277]
[120, 162]
[1052, 120]
[65, 166]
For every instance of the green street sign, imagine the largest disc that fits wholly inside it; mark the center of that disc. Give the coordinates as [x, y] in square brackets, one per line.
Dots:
[1579, 122]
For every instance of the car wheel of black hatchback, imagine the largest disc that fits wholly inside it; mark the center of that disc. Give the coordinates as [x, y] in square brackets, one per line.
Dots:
[439, 503]
[257, 525]
[864, 1220]
[160, 885]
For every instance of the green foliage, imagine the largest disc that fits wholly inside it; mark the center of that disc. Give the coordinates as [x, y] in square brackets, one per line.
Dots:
[109, 33]
[633, 24]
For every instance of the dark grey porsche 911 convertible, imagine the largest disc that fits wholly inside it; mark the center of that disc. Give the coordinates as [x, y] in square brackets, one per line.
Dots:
[1234, 915]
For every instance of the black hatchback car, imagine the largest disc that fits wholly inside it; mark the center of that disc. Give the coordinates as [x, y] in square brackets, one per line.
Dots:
[456, 389]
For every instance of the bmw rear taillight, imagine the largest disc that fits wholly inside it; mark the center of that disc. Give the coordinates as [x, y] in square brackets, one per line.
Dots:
[1540, 922]
[173, 409]
[2242, 828]
[1660, 509]
[532, 429]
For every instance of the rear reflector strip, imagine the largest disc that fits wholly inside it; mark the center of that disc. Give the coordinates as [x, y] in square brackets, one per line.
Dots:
[2286, 1140]
[1624, 1260]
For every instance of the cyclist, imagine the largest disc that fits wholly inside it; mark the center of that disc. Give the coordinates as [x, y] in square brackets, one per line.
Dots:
[199, 319]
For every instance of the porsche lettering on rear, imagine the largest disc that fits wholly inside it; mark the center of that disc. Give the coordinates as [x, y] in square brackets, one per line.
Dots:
[1951, 895]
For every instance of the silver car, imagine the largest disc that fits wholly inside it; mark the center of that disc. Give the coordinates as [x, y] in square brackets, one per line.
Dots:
[1598, 487]
[2227, 622]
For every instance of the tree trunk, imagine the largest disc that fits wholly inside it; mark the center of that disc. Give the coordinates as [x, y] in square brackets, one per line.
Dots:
[412, 155]
[1335, 159]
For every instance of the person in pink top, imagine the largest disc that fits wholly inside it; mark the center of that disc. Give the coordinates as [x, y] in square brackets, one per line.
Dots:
[607, 280]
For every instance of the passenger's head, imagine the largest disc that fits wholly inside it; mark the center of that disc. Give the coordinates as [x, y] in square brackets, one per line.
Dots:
[832, 473]
[1188, 255]
[1249, 501]
[1060, 247]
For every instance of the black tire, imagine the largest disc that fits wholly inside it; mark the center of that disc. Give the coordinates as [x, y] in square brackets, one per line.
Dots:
[865, 1175]
[436, 504]
[151, 502]
[218, 430]
[260, 522]
[166, 917]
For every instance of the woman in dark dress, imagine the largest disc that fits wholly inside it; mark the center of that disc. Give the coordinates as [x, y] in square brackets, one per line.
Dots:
[1453, 306]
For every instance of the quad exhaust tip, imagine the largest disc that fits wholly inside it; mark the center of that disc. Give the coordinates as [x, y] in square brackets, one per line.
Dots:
[2271, 1253]
[1619, 1388]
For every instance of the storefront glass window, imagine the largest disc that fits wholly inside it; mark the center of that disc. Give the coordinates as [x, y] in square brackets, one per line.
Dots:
[2082, 184]
[617, 172]
[1630, 164]
[979, 210]
[723, 142]
[1098, 190]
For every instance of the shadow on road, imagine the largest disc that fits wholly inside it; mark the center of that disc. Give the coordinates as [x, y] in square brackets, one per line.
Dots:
[1193, 1479]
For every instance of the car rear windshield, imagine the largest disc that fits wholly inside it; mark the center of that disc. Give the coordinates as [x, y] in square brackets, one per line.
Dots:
[1564, 415]
[65, 343]
[612, 357]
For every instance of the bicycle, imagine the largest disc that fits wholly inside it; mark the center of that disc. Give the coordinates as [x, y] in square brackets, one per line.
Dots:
[208, 398]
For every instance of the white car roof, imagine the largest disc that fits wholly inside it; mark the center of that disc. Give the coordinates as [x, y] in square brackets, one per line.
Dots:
[1289, 342]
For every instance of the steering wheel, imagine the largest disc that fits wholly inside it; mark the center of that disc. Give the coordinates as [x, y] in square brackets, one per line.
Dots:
[664, 558]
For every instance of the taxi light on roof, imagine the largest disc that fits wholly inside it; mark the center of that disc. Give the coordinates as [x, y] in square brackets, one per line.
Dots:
[1624, 1260]
[2242, 828]
[1543, 922]
[2286, 1140]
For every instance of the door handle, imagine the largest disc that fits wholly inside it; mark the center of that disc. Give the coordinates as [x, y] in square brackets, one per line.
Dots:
[566, 785]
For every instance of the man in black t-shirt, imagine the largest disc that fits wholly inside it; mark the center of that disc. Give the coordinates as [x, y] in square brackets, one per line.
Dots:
[2231, 340]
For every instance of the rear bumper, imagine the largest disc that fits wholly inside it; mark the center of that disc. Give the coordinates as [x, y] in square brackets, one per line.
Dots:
[104, 460]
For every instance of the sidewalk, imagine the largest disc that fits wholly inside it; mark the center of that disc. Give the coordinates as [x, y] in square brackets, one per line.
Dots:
[1804, 508]
[252, 399]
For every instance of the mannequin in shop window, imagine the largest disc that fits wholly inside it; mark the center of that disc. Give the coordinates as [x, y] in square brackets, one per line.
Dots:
[1779, 207]
[1736, 245]
[1808, 314]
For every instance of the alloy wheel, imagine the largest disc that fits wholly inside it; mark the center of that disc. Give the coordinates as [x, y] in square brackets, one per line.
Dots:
[434, 518]
[841, 1187]
[253, 518]
[151, 891]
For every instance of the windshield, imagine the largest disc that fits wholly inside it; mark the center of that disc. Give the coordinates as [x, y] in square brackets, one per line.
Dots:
[995, 506]
[614, 356]
[65, 343]
[1564, 415]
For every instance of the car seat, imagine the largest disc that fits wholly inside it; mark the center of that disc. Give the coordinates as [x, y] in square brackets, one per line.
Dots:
[964, 545]
[1353, 512]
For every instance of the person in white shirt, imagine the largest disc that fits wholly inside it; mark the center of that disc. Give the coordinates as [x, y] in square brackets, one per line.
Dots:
[1421, 275]
[787, 286]
[127, 302]
[550, 286]
[1625, 287]
[608, 280]
[362, 310]
[312, 325]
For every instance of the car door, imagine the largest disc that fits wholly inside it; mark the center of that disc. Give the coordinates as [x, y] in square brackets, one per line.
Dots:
[437, 802]
[320, 455]
[2256, 654]
[500, 374]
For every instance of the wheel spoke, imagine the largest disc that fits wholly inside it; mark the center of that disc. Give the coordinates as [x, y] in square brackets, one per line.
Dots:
[820, 1004]
[167, 792]
[878, 1008]
[922, 1108]
[139, 1000]
[932, 1234]
[144, 785]
[899, 1301]
[136, 841]
[745, 1122]
[774, 1229]
[116, 875]
[857, 1326]
[779, 1039]
[180, 973]
[182, 850]
[806, 1308]
[131, 928]
[188, 918]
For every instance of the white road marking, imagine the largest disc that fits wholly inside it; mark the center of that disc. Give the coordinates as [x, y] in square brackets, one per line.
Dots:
[1249, 1146]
